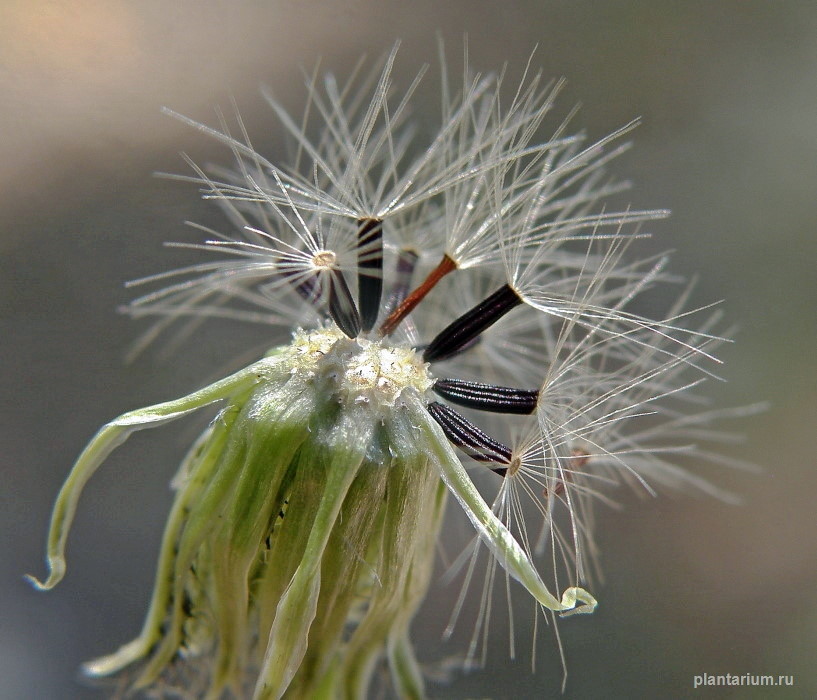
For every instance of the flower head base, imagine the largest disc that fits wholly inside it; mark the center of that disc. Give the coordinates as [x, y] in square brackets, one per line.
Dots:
[309, 509]
[479, 269]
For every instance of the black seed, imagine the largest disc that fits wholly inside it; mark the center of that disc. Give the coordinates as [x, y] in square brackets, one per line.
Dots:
[403, 272]
[487, 397]
[308, 287]
[470, 439]
[342, 307]
[456, 335]
[370, 270]
[465, 348]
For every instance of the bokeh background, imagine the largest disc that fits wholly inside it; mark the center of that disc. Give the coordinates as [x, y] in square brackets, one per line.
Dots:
[728, 96]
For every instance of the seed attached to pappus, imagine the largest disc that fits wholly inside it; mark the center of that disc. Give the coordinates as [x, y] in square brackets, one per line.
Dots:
[306, 518]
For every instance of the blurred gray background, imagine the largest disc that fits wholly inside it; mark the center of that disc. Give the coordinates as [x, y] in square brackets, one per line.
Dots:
[728, 95]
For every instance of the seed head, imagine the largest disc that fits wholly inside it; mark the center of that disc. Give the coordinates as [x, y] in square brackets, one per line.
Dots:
[463, 299]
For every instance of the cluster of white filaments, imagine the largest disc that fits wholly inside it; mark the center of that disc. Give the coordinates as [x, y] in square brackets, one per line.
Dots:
[479, 266]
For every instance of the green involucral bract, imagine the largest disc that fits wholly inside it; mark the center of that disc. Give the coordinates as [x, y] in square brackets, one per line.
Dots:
[302, 537]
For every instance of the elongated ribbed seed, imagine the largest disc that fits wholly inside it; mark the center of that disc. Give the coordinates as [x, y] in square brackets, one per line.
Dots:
[468, 326]
[470, 439]
[370, 270]
[403, 273]
[445, 266]
[487, 397]
[308, 288]
[341, 305]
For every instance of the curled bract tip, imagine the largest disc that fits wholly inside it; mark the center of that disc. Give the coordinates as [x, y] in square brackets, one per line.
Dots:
[56, 571]
[574, 595]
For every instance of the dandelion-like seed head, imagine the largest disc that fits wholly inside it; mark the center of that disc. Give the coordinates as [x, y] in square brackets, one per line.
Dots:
[459, 300]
